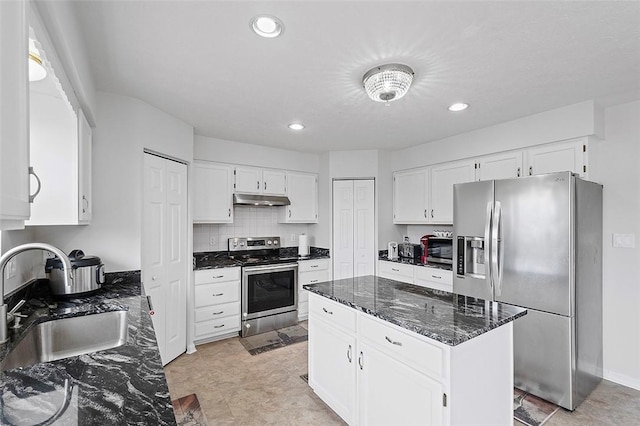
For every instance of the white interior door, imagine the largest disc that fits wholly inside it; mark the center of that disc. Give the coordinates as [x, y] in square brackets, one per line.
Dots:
[164, 251]
[342, 229]
[364, 226]
[353, 228]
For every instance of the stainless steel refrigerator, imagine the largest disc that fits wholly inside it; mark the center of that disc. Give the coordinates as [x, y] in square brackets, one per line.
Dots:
[536, 242]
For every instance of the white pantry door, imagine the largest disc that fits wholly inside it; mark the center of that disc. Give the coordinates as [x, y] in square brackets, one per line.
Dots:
[164, 251]
[353, 228]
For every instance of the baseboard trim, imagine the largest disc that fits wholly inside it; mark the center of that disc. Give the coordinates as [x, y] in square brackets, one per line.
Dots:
[622, 379]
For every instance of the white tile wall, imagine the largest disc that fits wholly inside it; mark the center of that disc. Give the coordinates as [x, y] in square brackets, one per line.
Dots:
[247, 222]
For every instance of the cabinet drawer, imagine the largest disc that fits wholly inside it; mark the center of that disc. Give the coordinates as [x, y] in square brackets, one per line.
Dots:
[313, 265]
[216, 275]
[214, 294]
[217, 311]
[435, 278]
[313, 277]
[332, 312]
[416, 353]
[395, 270]
[218, 326]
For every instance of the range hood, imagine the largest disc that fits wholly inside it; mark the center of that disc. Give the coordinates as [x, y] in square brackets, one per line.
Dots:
[260, 200]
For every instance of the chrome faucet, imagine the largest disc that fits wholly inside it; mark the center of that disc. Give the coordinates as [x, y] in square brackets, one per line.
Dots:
[66, 267]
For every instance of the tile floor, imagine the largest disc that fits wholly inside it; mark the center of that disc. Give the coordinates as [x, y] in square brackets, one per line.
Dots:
[235, 388]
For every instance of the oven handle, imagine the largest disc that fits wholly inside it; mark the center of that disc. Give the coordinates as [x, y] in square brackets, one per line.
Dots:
[269, 268]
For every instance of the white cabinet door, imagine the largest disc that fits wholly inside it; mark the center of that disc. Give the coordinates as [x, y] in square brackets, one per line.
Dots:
[391, 393]
[302, 190]
[14, 116]
[84, 169]
[411, 196]
[443, 177]
[248, 180]
[500, 166]
[557, 157]
[332, 373]
[274, 182]
[212, 193]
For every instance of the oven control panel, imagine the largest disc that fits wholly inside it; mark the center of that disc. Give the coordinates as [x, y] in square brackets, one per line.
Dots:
[253, 243]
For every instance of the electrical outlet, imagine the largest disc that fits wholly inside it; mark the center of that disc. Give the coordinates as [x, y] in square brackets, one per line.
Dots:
[293, 238]
[624, 240]
[10, 269]
[213, 241]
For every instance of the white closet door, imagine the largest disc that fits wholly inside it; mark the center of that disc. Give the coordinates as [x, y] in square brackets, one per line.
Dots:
[353, 228]
[364, 225]
[342, 229]
[176, 291]
[164, 251]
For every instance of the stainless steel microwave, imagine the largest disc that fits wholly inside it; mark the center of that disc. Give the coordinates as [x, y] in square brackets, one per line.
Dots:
[440, 250]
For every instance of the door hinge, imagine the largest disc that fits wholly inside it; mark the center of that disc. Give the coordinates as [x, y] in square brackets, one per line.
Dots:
[584, 148]
[234, 172]
[584, 169]
[444, 399]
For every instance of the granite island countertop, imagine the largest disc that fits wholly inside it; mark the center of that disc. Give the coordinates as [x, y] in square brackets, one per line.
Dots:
[449, 318]
[122, 385]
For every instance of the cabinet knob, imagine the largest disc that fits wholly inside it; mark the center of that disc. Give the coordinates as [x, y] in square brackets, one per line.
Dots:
[431, 213]
[153, 278]
[425, 212]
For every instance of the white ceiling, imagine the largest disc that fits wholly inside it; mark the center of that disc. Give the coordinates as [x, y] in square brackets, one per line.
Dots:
[199, 61]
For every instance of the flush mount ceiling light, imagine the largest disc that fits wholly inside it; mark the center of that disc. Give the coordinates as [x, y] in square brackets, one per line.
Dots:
[457, 107]
[267, 26]
[388, 82]
[37, 72]
[296, 126]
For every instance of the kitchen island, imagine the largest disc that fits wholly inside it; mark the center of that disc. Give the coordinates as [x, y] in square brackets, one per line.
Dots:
[123, 385]
[386, 352]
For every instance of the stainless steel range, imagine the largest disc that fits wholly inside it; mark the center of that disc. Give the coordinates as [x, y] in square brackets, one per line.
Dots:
[269, 284]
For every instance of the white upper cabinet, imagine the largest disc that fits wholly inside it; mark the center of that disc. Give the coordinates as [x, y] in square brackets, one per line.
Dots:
[85, 148]
[411, 196]
[302, 190]
[504, 165]
[212, 192]
[14, 115]
[558, 157]
[443, 177]
[253, 180]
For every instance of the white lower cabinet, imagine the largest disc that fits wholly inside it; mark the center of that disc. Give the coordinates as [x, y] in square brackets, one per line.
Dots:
[217, 302]
[440, 279]
[371, 372]
[393, 394]
[310, 272]
[396, 271]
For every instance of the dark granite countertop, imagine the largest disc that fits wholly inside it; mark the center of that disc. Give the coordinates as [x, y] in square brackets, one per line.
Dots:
[446, 317]
[382, 255]
[124, 385]
[220, 259]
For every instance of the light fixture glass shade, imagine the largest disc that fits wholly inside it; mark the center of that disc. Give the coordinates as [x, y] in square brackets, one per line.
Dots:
[267, 26]
[388, 82]
[36, 71]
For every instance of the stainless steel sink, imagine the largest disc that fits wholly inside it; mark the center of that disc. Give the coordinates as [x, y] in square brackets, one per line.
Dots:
[63, 338]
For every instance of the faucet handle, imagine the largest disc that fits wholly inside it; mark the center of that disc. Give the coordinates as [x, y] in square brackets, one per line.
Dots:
[18, 306]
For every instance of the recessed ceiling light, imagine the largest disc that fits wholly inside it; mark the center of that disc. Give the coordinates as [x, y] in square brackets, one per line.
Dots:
[458, 107]
[296, 126]
[267, 26]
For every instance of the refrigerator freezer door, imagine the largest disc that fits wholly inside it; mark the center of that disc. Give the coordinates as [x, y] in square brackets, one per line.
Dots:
[543, 347]
[536, 249]
[470, 220]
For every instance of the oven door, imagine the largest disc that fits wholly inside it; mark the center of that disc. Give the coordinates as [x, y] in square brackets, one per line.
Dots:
[269, 290]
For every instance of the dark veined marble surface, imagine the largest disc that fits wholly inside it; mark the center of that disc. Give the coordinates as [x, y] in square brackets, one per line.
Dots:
[446, 317]
[120, 386]
[220, 259]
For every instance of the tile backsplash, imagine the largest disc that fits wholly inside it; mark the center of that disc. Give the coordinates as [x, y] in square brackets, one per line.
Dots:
[247, 222]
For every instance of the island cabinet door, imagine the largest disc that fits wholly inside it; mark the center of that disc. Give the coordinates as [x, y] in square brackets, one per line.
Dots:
[391, 393]
[332, 373]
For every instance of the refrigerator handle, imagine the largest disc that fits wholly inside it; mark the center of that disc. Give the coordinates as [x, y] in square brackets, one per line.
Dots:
[487, 245]
[495, 243]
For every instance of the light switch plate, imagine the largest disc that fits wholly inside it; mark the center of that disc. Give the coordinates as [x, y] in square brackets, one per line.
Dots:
[624, 240]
